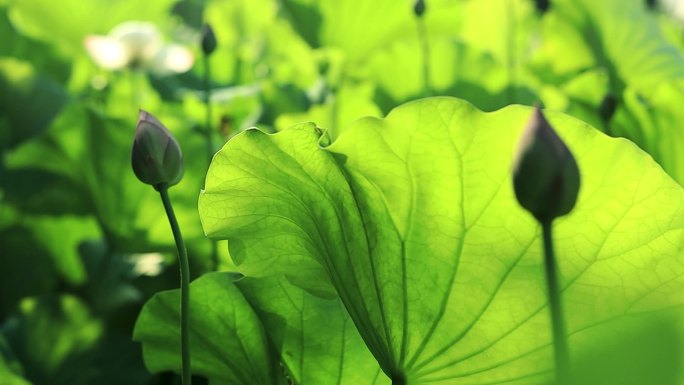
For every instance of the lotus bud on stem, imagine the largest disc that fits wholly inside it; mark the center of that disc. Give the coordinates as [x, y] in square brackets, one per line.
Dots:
[546, 181]
[419, 9]
[208, 39]
[542, 6]
[209, 44]
[156, 156]
[157, 160]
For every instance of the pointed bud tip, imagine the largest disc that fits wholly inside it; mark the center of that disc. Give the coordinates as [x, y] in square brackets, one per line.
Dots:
[146, 117]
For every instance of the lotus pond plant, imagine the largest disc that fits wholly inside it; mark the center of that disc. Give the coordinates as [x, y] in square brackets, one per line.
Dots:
[366, 191]
[546, 181]
[388, 266]
[157, 160]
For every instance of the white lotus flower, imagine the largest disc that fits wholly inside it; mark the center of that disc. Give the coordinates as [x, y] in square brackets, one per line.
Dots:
[138, 45]
[150, 264]
[674, 8]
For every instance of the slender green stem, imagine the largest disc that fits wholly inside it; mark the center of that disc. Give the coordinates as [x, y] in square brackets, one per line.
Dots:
[511, 32]
[184, 285]
[333, 89]
[607, 109]
[207, 102]
[210, 141]
[334, 109]
[214, 255]
[136, 91]
[560, 343]
[425, 50]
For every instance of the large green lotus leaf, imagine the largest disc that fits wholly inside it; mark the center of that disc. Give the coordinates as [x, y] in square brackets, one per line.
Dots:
[228, 344]
[580, 34]
[414, 220]
[611, 359]
[655, 124]
[258, 167]
[316, 338]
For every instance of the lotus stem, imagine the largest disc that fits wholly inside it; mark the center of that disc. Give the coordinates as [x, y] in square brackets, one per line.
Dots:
[560, 343]
[184, 285]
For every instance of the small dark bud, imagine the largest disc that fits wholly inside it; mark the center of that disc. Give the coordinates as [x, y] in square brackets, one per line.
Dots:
[323, 66]
[419, 8]
[226, 125]
[545, 175]
[542, 6]
[608, 107]
[208, 39]
[156, 156]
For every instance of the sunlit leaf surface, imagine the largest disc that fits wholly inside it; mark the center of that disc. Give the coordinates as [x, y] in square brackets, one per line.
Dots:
[413, 220]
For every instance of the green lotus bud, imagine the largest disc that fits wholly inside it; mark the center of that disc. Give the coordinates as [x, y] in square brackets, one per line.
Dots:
[545, 175]
[419, 8]
[156, 156]
[542, 6]
[208, 39]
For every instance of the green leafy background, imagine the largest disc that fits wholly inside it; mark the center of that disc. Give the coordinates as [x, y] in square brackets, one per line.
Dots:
[381, 222]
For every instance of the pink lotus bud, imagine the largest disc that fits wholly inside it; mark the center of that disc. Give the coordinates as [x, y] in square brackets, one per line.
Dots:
[156, 156]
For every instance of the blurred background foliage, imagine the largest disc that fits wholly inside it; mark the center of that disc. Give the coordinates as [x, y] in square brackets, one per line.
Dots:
[84, 244]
